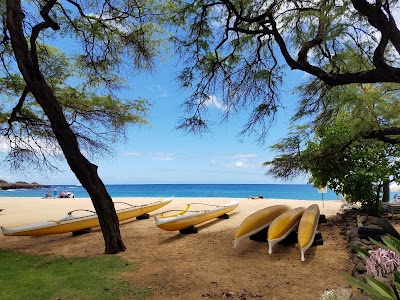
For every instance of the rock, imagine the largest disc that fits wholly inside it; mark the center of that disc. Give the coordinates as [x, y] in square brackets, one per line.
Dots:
[361, 220]
[358, 261]
[4, 185]
[373, 220]
[360, 267]
[366, 242]
[351, 234]
[344, 294]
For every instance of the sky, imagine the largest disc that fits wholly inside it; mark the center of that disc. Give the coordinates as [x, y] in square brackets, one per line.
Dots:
[159, 153]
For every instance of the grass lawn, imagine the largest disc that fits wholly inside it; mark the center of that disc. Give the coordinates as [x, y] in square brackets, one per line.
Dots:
[24, 276]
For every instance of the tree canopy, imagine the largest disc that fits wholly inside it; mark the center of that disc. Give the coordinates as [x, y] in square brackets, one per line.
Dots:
[75, 104]
[86, 81]
[334, 151]
[241, 50]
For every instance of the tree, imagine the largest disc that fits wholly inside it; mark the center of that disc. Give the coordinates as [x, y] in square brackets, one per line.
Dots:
[358, 170]
[333, 150]
[240, 50]
[108, 32]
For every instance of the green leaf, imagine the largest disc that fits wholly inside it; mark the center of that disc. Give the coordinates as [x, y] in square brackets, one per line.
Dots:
[396, 276]
[379, 244]
[394, 241]
[380, 287]
[362, 252]
[372, 293]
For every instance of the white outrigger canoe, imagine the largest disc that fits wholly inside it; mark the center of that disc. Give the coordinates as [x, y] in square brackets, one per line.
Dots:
[283, 225]
[307, 228]
[72, 223]
[186, 218]
[258, 221]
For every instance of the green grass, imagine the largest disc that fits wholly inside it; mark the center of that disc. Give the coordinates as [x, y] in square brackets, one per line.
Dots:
[44, 277]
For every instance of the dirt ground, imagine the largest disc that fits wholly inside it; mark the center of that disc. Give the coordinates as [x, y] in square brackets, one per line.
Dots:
[206, 266]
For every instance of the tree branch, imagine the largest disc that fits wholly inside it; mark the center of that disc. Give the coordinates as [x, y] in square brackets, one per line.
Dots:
[18, 107]
[385, 134]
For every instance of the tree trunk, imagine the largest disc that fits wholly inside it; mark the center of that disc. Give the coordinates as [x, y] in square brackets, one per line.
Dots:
[386, 191]
[85, 171]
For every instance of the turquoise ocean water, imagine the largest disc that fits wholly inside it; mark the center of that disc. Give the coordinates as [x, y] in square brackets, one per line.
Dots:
[282, 191]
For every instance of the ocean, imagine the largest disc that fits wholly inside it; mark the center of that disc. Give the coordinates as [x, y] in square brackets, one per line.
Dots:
[281, 191]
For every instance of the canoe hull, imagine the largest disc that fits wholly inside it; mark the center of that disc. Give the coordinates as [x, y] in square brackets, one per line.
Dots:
[307, 227]
[187, 220]
[283, 225]
[258, 221]
[71, 223]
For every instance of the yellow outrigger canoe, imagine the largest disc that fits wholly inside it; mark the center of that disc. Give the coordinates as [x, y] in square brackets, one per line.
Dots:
[307, 228]
[185, 218]
[72, 223]
[258, 221]
[283, 225]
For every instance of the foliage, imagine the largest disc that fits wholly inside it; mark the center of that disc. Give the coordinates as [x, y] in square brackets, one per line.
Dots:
[105, 42]
[24, 276]
[333, 148]
[78, 104]
[240, 51]
[382, 281]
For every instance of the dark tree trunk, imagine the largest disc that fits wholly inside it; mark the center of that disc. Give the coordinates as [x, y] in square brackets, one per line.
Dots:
[85, 171]
[386, 191]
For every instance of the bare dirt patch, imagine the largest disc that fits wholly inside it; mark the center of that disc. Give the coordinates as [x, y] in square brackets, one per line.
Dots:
[206, 266]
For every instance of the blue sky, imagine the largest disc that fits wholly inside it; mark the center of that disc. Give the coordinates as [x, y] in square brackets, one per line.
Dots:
[159, 153]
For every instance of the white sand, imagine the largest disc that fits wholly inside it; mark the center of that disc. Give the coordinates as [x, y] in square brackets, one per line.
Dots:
[22, 211]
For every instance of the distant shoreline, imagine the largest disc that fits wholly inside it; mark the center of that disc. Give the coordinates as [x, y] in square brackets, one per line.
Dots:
[4, 185]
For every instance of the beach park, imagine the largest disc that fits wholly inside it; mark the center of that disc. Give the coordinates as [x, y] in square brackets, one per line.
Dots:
[225, 97]
[195, 266]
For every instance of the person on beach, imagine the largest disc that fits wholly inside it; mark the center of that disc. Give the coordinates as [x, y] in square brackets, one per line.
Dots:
[55, 192]
[48, 195]
[258, 197]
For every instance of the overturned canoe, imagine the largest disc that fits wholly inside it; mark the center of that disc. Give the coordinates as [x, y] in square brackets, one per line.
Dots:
[258, 221]
[186, 218]
[307, 228]
[72, 223]
[283, 225]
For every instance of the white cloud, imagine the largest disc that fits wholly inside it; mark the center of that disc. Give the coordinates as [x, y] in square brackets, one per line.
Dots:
[241, 164]
[244, 155]
[212, 101]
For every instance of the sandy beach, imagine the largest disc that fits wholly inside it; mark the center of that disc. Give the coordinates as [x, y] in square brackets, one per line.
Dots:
[197, 266]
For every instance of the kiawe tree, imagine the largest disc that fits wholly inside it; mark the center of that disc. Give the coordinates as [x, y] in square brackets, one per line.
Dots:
[66, 103]
[241, 51]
